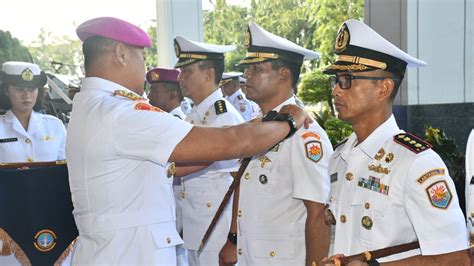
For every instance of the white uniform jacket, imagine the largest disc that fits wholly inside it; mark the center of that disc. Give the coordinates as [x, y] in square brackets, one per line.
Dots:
[178, 112]
[393, 189]
[203, 191]
[118, 148]
[241, 104]
[272, 216]
[45, 139]
[470, 183]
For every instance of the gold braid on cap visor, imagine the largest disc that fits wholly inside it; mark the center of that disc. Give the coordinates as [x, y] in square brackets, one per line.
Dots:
[361, 60]
[193, 56]
[256, 57]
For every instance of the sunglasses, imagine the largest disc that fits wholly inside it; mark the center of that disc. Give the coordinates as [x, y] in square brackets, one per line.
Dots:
[345, 81]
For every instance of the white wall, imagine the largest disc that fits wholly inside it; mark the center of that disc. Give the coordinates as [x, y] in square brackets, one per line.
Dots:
[176, 18]
[440, 32]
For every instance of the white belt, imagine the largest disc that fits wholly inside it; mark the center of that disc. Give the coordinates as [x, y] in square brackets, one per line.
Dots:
[89, 224]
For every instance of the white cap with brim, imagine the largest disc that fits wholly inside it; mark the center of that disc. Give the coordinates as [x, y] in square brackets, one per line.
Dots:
[22, 74]
[360, 48]
[229, 76]
[189, 52]
[263, 46]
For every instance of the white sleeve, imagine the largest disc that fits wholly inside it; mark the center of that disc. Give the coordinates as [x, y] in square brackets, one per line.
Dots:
[432, 205]
[148, 135]
[309, 161]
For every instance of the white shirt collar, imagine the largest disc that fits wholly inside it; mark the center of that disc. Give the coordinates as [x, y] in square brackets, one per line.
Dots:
[94, 83]
[204, 106]
[371, 145]
[235, 95]
[32, 124]
[290, 100]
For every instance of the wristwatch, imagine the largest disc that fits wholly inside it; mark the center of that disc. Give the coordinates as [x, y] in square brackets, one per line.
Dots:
[285, 117]
[232, 237]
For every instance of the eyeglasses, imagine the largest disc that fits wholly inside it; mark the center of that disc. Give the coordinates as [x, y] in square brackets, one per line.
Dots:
[345, 81]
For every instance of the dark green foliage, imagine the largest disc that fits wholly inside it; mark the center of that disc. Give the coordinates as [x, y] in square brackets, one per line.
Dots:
[448, 150]
[11, 49]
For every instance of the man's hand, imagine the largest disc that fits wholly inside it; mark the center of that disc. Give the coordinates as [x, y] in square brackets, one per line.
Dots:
[300, 116]
[228, 254]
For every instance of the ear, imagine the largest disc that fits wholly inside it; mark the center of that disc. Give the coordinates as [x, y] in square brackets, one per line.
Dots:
[121, 53]
[284, 74]
[386, 87]
[210, 74]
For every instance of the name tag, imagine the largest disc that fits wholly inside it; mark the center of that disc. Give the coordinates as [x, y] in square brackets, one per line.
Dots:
[8, 140]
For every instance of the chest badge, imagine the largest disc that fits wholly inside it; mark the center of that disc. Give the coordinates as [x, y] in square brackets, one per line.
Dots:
[374, 184]
[263, 179]
[264, 160]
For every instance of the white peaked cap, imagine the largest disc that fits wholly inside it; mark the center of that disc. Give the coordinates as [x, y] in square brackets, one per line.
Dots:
[263, 45]
[189, 52]
[360, 48]
[22, 74]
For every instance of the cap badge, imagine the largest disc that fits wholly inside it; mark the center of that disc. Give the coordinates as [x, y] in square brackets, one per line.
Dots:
[45, 240]
[247, 39]
[343, 38]
[154, 76]
[27, 75]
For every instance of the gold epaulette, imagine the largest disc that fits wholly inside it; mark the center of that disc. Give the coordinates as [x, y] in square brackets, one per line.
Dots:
[128, 94]
[412, 142]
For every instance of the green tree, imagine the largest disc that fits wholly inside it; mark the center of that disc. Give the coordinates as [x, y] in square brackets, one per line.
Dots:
[11, 49]
[151, 54]
[57, 54]
[329, 15]
[226, 24]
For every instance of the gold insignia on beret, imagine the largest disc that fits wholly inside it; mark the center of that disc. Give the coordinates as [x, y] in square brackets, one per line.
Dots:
[343, 38]
[247, 39]
[27, 75]
[154, 76]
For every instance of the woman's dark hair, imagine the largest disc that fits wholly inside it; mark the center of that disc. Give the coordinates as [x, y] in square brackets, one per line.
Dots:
[5, 103]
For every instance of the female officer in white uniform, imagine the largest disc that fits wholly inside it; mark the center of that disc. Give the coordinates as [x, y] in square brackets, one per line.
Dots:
[25, 134]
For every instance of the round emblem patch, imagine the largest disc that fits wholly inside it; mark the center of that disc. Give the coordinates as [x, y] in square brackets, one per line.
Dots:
[45, 240]
[342, 39]
[263, 179]
[27, 75]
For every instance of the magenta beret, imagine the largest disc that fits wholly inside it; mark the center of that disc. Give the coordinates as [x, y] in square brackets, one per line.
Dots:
[162, 75]
[114, 29]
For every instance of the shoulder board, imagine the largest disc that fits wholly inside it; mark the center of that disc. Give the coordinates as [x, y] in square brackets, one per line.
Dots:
[220, 107]
[340, 143]
[146, 107]
[239, 97]
[128, 94]
[412, 142]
